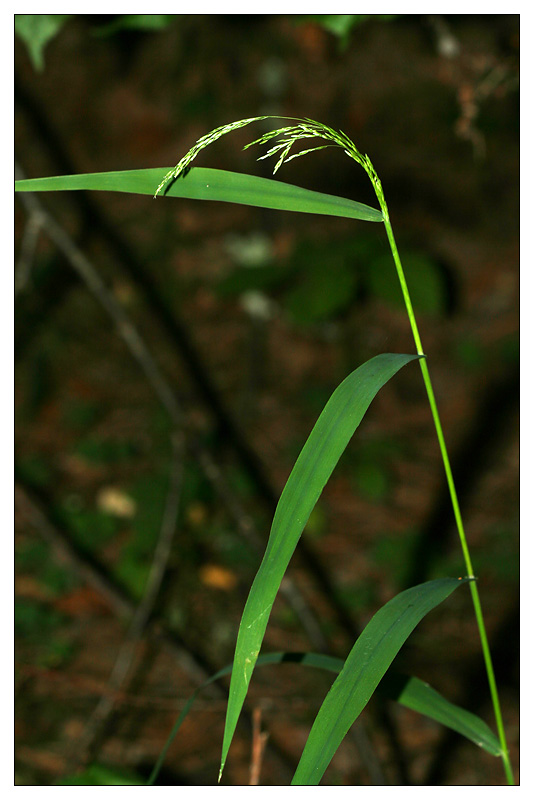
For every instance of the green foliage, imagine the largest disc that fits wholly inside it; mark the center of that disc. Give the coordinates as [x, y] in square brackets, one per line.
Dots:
[209, 184]
[372, 480]
[327, 441]
[40, 628]
[35, 620]
[136, 22]
[362, 671]
[316, 283]
[33, 557]
[90, 527]
[394, 553]
[323, 292]
[369, 467]
[36, 30]
[103, 451]
[81, 413]
[101, 775]
[35, 470]
[429, 292]
[409, 692]
[132, 571]
[319, 281]
[419, 696]
[342, 25]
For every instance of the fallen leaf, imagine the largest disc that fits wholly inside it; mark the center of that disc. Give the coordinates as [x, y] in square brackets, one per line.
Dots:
[116, 502]
[218, 577]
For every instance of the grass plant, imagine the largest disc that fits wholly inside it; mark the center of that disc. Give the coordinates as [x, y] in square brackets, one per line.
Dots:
[366, 666]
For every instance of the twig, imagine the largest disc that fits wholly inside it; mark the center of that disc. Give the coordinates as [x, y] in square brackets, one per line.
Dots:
[30, 508]
[96, 285]
[259, 740]
[24, 264]
[141, 616]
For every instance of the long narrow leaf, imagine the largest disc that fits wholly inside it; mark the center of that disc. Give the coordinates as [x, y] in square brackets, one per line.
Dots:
[210, 184]
[366, 664]
[407, 691]
[419, 696]
[320, 454]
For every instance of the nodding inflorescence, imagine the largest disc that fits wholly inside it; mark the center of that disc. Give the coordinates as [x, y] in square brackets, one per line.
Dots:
[287, 136]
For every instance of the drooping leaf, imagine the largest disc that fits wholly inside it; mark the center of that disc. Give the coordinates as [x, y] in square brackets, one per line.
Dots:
[320, 454]
[419, 696]
[210, 184]
[365, 666]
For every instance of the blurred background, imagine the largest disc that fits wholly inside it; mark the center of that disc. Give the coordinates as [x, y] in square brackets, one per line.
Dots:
[148, 469]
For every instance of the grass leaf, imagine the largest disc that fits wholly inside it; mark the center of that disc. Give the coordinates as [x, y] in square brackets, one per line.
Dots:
[364, 668]
[320, 454]
[419, 696]
[210, 184]
[409, 692]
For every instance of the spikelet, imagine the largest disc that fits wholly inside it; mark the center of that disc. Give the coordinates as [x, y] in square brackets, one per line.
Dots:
[287, 137]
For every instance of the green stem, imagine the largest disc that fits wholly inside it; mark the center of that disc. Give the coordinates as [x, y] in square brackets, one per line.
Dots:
[454, 498]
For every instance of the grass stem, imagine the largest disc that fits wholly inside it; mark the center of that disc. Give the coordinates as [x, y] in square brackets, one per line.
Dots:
[452, 490]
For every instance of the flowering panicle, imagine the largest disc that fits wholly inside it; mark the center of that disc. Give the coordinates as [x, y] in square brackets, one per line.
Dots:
[182, 167]
[287, 137]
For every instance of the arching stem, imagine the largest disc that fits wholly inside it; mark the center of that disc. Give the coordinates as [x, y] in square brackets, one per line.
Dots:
[452, 491]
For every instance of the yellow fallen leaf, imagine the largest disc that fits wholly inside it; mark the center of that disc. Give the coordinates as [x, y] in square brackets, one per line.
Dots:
[116, 502]
[218, 577]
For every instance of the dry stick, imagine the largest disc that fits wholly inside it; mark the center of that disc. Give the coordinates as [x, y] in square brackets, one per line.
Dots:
[123, 662]
[138, 348]
[81, 749]
[30, 237]
[259, 740]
